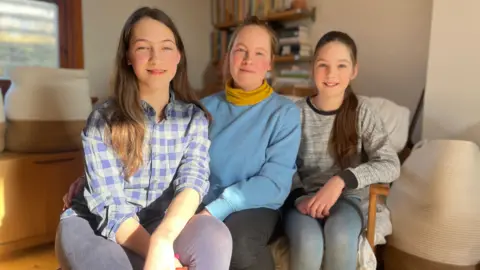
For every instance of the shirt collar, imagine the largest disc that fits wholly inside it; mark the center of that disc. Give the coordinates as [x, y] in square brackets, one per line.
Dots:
[169, 109]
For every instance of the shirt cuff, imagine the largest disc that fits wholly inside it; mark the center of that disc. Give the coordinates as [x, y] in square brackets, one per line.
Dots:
[201, 188]
[113, 224]
[349, 178]
[220, 208]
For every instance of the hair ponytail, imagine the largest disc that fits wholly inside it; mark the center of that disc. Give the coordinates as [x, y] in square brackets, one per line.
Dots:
[344, 137]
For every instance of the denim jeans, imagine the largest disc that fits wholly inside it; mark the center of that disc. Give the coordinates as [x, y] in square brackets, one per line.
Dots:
[327, 244]
[204, 244]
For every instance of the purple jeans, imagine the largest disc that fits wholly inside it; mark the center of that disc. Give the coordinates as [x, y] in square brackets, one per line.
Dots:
[204, 244]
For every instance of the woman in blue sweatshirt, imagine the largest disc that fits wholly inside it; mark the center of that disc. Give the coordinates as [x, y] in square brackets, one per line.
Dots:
[255, 137]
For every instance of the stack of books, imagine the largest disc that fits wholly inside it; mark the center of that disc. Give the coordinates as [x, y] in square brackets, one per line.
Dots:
[294, 40]
[294, 77]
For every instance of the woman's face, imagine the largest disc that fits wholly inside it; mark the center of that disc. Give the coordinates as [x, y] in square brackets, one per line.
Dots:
[153, 53]
[250, 58]
[333, 69]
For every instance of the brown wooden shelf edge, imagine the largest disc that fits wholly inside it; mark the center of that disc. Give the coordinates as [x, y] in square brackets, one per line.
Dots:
[282, 16]
[292, 58]
[296, 91]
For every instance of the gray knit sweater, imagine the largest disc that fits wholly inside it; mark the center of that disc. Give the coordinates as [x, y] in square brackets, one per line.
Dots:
[316, 165]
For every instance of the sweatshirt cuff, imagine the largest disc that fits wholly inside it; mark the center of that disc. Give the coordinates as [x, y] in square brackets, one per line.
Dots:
[349, 178]
[220, 208]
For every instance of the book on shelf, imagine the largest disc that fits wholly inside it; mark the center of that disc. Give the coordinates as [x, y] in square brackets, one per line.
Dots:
[292, 35]
[294, 40]
[295, 46]
[296, 49]
[294, 43]
[294, 77]
[219, 44]
[228, 11]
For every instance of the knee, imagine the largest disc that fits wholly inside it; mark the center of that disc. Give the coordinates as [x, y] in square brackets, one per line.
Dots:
[247, 247]
[304, 233]
[245, 251]
[59, 250]
[306, 242]
[307, 246]
[341, 250]
[66, 241]
[341, 242]
[342, 237]
[77, 247]
[214, 234]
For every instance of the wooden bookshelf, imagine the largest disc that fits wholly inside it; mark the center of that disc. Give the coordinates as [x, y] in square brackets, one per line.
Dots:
[283, 16]
[292, 58]
[296, 91]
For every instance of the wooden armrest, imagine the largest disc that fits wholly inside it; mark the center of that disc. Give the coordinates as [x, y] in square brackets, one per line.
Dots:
[380, 189]
[375, 190]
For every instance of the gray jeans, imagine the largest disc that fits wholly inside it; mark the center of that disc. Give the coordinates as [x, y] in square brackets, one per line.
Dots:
[204, 244]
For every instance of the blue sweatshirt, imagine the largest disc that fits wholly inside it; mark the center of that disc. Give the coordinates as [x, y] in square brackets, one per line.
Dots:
[252, 153]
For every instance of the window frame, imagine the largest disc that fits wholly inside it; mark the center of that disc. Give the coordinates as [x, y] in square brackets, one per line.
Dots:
[70, 33]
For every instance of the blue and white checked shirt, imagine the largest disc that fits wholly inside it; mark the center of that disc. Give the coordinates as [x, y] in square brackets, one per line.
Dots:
[176, 149]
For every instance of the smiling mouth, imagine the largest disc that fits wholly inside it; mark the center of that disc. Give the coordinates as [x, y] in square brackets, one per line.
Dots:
[247, 71]
[157, 71]
[330, 84]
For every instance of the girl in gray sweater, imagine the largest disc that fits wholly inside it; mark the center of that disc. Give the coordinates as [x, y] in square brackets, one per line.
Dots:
[344, 149]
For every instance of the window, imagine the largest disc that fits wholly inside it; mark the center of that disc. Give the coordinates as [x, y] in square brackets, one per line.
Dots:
[39, 33]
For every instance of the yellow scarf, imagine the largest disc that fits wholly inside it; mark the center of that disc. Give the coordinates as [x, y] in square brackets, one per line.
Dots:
[241, 97]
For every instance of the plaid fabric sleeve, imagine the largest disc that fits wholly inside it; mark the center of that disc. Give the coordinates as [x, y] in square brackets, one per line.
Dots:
[104, 182]
[194, 169]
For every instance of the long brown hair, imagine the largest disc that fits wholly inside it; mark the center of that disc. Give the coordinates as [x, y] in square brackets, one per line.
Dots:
[344, 136]
[249, 21]
[127, 127]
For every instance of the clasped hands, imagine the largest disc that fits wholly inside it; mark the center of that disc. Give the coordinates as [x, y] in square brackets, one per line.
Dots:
[319, 205]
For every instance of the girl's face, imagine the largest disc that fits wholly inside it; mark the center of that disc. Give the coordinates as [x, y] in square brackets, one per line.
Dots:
[153, 54]
[250, 58]
[333, 69]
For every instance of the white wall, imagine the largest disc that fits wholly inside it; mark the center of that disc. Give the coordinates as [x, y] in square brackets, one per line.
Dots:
[103, 21]
[392, 39]
[452, 97]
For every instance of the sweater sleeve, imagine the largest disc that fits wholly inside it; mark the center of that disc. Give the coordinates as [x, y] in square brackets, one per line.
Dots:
[383, 165]
[274, 180]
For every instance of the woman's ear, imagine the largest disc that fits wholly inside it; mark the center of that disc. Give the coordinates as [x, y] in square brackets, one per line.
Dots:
[127, 55]
[354, 72]
[270, 66]
[179, 57]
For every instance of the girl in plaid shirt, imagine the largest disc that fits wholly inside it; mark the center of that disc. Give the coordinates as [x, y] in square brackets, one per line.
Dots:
[146, 165]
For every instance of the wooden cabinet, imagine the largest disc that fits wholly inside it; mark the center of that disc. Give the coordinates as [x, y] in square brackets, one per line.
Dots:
[31, 191]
